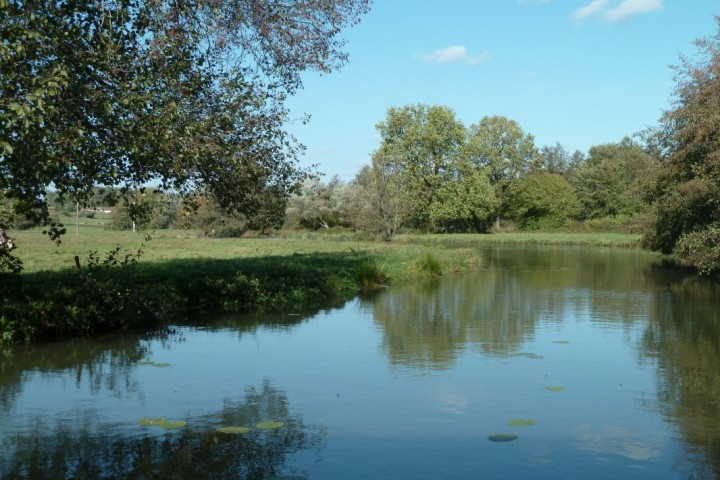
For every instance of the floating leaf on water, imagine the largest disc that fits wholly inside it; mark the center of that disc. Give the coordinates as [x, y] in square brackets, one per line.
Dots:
[520, 422]
[269, 425]
[151, 422]
[502, 437]
[555, 389]
[153, 364]
[234, 430]
[160, 422]
[176, 424]
[562, 342]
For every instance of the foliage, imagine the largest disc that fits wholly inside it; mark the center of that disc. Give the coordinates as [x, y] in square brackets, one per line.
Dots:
[687, 191]
[466, 203]
[318, 205]
[500, 147]
[380, 200]
[620, 223]
[542, 199]
[701, 249]
[188, 95]
[614, 180]
[145, 208]
[371, 274]
[553, 159]
[421, 145]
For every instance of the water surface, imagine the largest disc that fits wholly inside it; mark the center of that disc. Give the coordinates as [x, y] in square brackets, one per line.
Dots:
[591, 363]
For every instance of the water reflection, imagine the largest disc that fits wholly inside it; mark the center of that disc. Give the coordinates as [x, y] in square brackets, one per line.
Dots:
[87, 447]
[496, 311]
[104, 363]
[683, 337]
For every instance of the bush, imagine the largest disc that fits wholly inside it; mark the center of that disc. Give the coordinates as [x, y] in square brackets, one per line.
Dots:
[619, 223]
[701, 249]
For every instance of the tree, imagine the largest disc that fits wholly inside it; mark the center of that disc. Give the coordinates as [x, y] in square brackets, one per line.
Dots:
[317, 205]
[542, 200]
[423, 145]
[381, 202]
[553, 159]
[687, 190]
[188, 95]
[500, 147]
[614, 180]
[464, 203]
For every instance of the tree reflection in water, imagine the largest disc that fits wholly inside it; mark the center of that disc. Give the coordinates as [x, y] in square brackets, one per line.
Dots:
[496, 310]
[87, 450]
[683, 337]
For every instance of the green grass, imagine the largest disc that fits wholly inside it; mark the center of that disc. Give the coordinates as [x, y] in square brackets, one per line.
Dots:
[181, 271]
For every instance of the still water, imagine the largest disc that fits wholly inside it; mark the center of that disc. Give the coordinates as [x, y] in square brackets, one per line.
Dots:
[591, 363]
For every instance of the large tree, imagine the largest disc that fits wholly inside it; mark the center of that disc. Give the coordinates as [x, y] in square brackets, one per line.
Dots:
[687, 191]
[183, 94]
[499, 146]
[423, 144]
[614, 180]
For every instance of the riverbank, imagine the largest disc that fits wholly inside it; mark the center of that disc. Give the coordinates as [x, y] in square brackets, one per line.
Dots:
[122, 281]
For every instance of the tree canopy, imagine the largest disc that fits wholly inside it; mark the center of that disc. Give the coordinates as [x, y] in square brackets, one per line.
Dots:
[185, 94]
[501, 147]
[687, 191]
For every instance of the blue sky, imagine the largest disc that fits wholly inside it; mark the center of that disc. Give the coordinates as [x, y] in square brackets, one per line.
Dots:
[579, 72]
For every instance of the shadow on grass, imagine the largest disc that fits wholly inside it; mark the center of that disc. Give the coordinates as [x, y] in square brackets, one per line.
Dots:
[42, 305]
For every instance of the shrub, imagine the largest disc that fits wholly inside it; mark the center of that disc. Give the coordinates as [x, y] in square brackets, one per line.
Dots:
[701, 249]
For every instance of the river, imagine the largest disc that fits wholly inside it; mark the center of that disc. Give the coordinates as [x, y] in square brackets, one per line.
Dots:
[548, 363]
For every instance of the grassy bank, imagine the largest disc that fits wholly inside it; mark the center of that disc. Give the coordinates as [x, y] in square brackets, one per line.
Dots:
[180, 272]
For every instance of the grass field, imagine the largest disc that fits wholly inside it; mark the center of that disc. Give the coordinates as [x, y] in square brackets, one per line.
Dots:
[39, 254]
[180, 271]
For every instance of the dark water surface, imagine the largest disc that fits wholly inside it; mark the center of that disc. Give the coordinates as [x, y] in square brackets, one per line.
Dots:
[603, 363]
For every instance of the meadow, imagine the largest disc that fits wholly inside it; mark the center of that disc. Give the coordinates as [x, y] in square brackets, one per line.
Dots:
[130, 280]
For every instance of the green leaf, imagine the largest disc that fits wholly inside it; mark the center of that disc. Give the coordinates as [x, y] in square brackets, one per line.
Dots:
[269, 425]
[520, 422]
[555, 389]
[160, 422]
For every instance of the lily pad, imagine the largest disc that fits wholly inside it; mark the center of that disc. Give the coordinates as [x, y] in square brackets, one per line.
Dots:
[151, 422]
[520, 422]
[555, 389]
[234, 430]
[160, 422]
[502, 437]
[153, 364]
[269, 425]
[562, 342]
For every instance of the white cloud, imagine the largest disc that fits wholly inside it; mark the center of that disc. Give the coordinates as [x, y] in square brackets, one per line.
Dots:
[628, 8]
[588, 10]
[456, 53]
